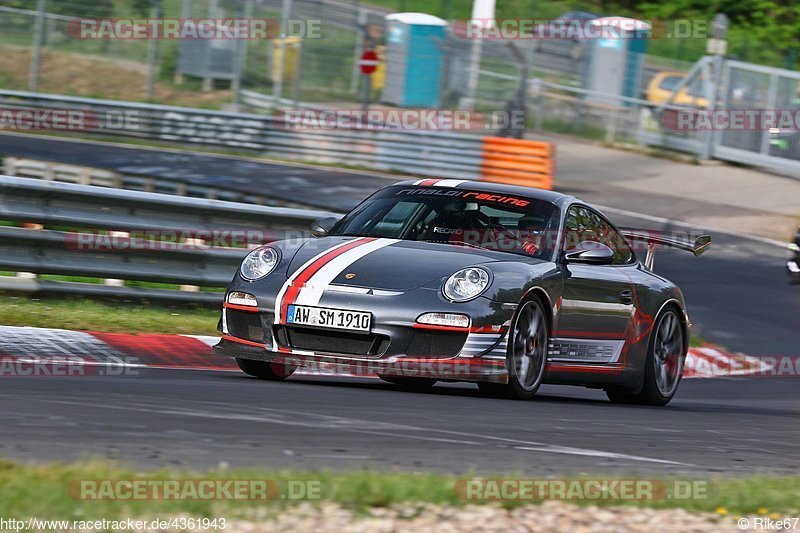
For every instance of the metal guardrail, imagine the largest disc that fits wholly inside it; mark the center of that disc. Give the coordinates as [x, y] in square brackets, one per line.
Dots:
[427, 153]
[55, 251]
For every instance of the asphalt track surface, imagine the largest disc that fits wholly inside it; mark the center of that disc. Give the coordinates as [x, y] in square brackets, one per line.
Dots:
[328, 188]
[736, 293]
[200, 419]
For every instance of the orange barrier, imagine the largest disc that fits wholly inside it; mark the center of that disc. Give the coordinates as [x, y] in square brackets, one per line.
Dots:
[518, 162]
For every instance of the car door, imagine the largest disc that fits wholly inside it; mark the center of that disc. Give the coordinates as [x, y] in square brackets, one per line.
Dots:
[597, 300]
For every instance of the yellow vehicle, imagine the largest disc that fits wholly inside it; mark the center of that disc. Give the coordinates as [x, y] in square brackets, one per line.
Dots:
[663, 84]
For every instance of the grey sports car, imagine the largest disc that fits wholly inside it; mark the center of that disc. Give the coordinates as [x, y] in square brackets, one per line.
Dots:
[452, 280]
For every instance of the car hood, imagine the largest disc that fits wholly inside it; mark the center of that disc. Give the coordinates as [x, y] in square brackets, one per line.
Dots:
[387, 264]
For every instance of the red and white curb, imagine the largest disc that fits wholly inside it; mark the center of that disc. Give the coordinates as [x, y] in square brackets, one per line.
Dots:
[192, 352]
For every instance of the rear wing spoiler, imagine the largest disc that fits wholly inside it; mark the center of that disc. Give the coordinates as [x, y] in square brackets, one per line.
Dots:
[697, 246]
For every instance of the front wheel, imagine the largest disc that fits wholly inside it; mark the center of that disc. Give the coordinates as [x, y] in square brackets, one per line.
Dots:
[527, 354]
[265, 369]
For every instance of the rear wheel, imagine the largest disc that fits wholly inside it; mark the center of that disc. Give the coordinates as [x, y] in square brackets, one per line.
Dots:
[527, 354]
[664, 365]
[265, 370]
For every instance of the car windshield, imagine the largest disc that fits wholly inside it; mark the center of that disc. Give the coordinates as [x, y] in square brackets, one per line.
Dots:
[492, 221]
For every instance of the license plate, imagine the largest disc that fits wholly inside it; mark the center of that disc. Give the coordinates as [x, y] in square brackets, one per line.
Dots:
[322, 317]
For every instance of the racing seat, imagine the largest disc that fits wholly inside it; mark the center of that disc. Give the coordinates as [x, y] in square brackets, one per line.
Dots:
[452, 222]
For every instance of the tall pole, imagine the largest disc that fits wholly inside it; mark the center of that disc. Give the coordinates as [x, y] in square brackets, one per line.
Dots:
[716, 45]
[286, 12]
[367, 92]
[152, 53]
[482, 11]
[38, 39]
[241, 55]
[359, 48]
[298, 75]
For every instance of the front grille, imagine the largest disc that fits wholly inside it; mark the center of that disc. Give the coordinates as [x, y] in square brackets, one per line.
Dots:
[435, 344]
[337, 342]
[245, 325]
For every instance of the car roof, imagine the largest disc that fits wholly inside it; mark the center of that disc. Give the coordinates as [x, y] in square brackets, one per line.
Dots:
[579, 14]
[497, 188]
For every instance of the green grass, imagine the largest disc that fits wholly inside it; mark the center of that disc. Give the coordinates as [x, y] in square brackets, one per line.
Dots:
[99, 281]
[125, 317]
[42, 491]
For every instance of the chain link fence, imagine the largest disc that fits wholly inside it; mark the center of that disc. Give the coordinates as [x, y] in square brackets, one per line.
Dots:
[310, 59]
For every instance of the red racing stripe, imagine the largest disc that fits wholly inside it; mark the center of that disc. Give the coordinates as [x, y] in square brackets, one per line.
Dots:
[292, 291]
[428, 183]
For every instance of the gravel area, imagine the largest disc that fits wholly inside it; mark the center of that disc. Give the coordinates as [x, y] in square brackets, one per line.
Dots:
[548, 517]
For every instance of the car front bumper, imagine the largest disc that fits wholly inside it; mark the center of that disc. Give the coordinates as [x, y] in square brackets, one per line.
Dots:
[397, 344]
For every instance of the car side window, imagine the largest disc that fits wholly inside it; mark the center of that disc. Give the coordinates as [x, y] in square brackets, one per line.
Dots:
[393, 221]
[623, 254]
[582, 224]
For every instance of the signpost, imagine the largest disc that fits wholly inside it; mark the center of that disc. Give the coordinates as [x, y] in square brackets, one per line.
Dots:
[717, 46]
[368, 64]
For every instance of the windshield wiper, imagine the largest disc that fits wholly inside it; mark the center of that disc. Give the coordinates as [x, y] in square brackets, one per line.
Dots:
[458, 243]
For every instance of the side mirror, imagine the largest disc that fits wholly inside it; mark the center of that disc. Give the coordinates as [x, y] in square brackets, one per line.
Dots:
[590, 253]
[322, 226]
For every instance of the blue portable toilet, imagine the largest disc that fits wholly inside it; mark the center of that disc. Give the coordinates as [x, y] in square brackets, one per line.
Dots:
[616, 59]
[413, 59]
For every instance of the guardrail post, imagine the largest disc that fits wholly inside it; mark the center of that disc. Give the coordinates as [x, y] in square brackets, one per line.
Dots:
[10, 166]
[611, 126]
[113, 281]
[31, 226]
[191, 241]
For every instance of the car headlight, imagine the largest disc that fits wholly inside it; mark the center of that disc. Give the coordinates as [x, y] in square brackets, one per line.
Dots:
[466, 284]
[259, 263]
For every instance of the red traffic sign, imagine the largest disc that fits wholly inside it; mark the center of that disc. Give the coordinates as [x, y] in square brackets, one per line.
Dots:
[368, 62]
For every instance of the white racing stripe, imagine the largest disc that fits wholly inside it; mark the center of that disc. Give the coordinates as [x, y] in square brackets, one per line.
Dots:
[448, 183]
[311, 292]
[440, 182]
[296, 273]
